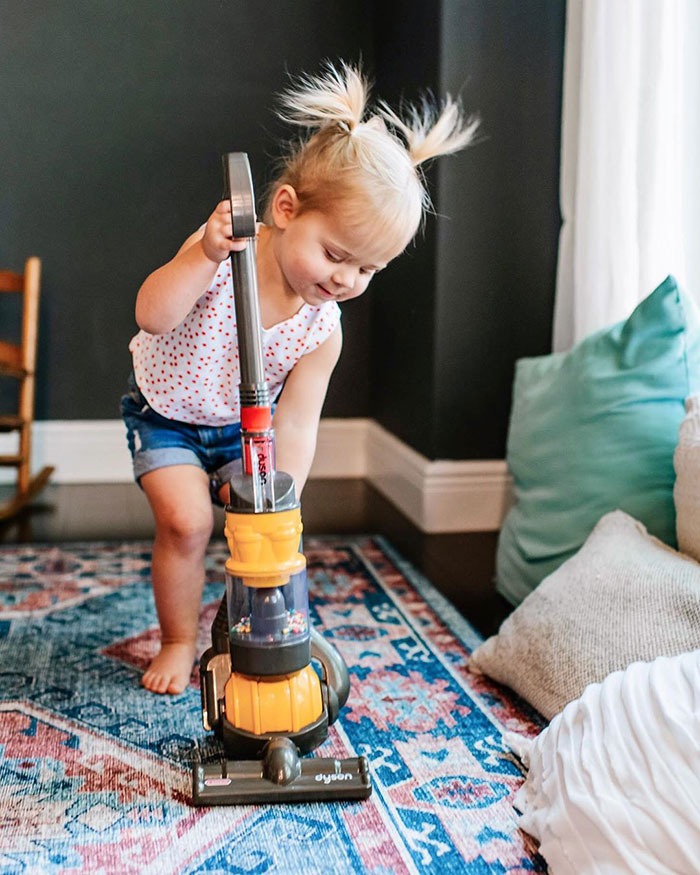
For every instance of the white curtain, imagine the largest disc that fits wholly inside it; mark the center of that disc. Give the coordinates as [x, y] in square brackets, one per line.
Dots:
[630, 178]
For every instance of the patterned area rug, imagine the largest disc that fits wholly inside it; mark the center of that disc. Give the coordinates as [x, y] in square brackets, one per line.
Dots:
[95, 772]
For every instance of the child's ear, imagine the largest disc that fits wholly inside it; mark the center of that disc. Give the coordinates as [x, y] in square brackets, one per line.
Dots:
[285, 205]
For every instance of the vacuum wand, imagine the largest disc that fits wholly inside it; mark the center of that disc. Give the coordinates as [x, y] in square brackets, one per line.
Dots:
[257, 434]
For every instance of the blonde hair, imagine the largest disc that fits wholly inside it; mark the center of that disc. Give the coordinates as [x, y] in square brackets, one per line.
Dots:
[367, 160]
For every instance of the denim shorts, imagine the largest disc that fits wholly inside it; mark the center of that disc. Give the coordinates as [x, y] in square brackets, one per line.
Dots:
[157, 442]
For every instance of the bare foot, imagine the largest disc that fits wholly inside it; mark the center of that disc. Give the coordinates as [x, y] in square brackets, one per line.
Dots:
[170, 671]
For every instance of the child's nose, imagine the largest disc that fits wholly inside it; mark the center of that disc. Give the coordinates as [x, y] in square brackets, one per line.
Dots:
[345, 276]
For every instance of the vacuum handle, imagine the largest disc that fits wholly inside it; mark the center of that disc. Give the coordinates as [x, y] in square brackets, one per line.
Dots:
[238, 184]
[336, 672]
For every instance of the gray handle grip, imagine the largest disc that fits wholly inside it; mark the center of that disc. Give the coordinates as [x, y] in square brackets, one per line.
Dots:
[238, 184]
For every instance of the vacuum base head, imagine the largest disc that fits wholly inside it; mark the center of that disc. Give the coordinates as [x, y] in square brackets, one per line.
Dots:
[246, 782]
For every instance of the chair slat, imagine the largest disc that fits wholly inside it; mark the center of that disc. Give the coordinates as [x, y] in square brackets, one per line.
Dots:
[11, 423]
[10, 354]
[10, 281]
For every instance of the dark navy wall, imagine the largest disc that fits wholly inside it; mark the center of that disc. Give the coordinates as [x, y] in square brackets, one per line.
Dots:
[407, 58]
[114, 118]
[477, 292]
[498, 248]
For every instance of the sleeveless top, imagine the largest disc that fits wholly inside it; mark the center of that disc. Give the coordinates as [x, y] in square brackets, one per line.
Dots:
[191, 374]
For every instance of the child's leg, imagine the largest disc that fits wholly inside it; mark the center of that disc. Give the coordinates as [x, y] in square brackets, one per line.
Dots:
[180, 500]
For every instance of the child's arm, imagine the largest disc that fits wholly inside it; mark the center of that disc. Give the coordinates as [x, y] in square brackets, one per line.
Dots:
[299, 409]
[169, 293]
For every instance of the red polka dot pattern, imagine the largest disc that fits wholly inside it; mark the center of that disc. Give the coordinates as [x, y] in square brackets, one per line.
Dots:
[191, 373]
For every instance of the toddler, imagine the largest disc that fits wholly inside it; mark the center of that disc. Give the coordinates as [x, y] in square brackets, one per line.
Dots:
[348, 200]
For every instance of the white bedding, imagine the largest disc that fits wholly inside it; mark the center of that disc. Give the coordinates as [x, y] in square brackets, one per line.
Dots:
[614, 780]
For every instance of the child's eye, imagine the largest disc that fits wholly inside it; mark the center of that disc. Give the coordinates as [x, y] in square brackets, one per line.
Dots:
[331, 257]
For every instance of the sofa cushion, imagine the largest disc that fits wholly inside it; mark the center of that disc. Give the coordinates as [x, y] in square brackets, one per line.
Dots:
[625, 596]
[594, 429]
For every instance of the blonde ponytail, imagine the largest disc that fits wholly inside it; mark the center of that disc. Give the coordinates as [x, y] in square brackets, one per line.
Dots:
[335, 97]
[431, 132]
[365, 162]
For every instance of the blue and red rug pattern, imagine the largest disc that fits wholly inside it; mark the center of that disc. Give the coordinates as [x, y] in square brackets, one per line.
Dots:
[95, 772]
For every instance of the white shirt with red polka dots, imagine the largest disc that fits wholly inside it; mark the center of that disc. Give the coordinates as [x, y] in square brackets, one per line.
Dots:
[191, 374]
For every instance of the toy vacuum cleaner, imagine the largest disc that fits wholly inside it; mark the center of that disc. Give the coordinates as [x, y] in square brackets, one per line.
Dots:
[261, 694]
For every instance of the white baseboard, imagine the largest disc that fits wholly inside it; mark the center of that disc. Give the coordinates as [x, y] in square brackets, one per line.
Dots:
[438, 496]
[81, 450]
[341, 448]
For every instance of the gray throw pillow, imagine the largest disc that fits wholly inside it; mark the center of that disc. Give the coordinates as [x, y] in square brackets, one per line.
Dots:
[624, 597]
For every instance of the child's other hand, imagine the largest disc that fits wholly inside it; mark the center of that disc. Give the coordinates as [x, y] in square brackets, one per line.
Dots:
[218, 241]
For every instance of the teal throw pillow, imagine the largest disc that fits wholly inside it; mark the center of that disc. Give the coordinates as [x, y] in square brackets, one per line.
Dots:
[593, 430]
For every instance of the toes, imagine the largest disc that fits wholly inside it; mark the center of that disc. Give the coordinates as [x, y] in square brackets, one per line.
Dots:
[170, 671]
[156, 683]
[177, 686]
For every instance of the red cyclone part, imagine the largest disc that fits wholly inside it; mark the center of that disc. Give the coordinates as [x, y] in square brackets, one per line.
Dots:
[256, 418]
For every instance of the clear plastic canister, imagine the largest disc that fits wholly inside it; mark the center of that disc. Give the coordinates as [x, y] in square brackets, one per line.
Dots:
[268, 625]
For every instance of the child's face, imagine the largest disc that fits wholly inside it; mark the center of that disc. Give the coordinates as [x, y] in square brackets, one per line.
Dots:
[322, 261]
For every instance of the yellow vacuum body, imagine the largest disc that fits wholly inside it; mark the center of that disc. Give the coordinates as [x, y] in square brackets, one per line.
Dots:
[273, 687]
[279, 704]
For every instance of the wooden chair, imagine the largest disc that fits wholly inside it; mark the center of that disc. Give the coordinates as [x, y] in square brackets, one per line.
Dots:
[18, 362]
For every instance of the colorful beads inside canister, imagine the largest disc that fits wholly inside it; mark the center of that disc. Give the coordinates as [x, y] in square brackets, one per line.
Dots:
[296, 625]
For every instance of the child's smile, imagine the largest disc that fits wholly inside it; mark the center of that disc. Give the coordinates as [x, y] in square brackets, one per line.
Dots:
[329, 296]
[321, 262]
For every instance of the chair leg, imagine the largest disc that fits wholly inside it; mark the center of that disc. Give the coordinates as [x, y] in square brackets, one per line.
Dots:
[25, 451]
[27, 486]
[21, 499]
